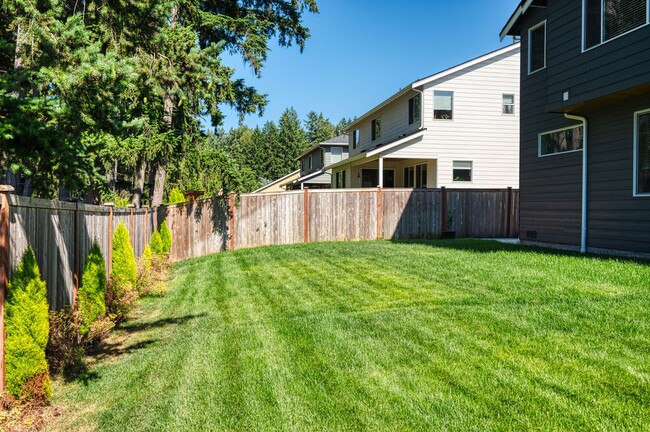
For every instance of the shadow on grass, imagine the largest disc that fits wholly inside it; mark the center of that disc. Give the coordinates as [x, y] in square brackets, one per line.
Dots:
[491, 246]
[116, 347]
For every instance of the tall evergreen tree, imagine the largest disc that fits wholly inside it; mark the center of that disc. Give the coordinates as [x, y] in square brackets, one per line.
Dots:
[318, 128]
[291, 141]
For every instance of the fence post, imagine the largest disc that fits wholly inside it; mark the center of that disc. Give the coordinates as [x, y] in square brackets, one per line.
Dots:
[306, 213]
[75, 266]
[5, 190]
[509, 217]
[380, 215]
[131, 226]
[443, 210]
[231, 225]
[110, 236]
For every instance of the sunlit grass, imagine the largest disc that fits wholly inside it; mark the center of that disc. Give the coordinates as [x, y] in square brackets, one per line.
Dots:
[462, 335]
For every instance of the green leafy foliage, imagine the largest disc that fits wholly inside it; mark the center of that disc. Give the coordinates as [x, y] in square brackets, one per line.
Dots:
[175, 196]
[27, 327]
[156, 244]
[165, 237]
[92, 293]
[318, 128]
[124, 268]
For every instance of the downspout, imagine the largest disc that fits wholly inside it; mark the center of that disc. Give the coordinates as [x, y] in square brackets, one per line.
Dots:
[583, 231]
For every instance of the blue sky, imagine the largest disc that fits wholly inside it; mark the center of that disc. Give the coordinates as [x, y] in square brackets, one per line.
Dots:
[361, 52]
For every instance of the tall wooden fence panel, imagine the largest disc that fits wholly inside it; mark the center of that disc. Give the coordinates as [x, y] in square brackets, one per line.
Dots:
[342, 215]
[198, 228]
[411, 213]
[269, 219]
[483, 213]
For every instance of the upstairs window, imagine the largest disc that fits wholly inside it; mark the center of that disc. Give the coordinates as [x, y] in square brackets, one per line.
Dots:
[322, 156]
[642, 153]
[376, 129]
[462, 171]
[443, 105]
[355, 138]
[560, 141]
[337, 154]
[537, 47]
[508, 101]
[311, 163]
[414, 109]
[607, 19]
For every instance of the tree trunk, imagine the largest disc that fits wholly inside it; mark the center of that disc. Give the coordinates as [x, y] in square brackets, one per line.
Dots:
[136, 200]
[158, 185]
[18, 59]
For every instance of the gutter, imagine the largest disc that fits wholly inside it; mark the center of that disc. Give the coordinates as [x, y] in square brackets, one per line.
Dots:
[583, 230]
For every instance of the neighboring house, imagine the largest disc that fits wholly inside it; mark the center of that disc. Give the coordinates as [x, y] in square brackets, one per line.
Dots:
[458, 128]
[315, 158]
[278, 185]
[585, 122]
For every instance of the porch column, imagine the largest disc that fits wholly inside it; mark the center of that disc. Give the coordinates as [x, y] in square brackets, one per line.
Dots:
[381, 172]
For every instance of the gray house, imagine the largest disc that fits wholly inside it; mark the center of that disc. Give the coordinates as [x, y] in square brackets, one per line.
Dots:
[585, 123]
[312, 161]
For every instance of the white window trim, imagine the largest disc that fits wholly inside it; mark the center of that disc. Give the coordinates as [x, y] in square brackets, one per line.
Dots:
[602, 30]
[453, 98]
[514, 105]
[471, 172]
[539, 141]
[635, 170]
[535, 27]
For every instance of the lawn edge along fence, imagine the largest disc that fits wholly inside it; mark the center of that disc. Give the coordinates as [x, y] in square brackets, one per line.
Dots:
[61, 233]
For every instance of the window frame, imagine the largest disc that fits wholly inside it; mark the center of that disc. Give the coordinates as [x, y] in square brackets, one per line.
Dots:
[332, 154]
[414, 116]
[356, 137]
[503, 104]
[452, 105]
[414, 167]
[471, 171]
[530, 30]
[374, 125]
[322, 156]
[340, 175]
[602, 26]
[311, 162]
[539, 141]
[635, 159]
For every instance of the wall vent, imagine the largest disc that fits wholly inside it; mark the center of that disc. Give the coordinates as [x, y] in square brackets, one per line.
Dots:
[531, 234]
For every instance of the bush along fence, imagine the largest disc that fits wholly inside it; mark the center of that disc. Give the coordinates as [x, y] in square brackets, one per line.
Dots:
[62, 234]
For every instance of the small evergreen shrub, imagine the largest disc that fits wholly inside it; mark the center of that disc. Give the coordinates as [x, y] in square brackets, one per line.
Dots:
[65, 349]
[144, 270]
[165, 237]
[27, 328]
[156, 244]
[175, 196]
[92, 293]
[121, 291]
[124, 268]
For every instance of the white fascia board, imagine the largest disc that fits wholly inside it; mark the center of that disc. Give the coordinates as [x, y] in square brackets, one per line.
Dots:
[397, 143]
[521, 9]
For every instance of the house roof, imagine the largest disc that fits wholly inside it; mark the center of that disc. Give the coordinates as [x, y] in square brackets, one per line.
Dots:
[296, 172]
[512, 26]
[423, 81]
[341, 141]
[307, 177]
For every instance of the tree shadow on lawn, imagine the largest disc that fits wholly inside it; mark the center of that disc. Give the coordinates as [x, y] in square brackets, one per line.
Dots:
[492, 246]
[117, 346]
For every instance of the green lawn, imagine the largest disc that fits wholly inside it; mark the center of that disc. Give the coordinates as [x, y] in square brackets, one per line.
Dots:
[459, 335]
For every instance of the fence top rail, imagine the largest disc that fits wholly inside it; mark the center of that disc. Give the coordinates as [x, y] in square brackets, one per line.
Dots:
[38, 203]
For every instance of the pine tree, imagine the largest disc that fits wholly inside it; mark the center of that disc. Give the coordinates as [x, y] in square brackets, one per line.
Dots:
[291, 142]
[318, 128]
[165, 237]
[124, 267]
[92, 293]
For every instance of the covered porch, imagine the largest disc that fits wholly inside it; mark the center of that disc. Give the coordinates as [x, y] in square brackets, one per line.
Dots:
[391, 172]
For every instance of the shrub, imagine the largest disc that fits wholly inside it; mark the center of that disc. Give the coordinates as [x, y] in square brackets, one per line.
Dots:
[124, 268]
[65, 348]
[92, 293]
[144, 270]
[27, 328]
[121, 299]
[165, 237]
[175, 196]
[156, 243]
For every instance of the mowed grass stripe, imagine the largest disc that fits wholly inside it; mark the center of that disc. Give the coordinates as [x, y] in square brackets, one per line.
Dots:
[462, 335]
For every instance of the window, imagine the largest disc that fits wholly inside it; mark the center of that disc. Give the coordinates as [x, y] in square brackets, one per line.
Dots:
[642, 153]
[443, 105]
[322, 156]
[414, 109]
[376, 129]
[337, 154]
[415, 176]
[311, 163]
[302, 164]
[607, 19]
[462, 171]
[560, 141]
[355, 138]
[340, 180]
[508, 104]
[537, 47]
